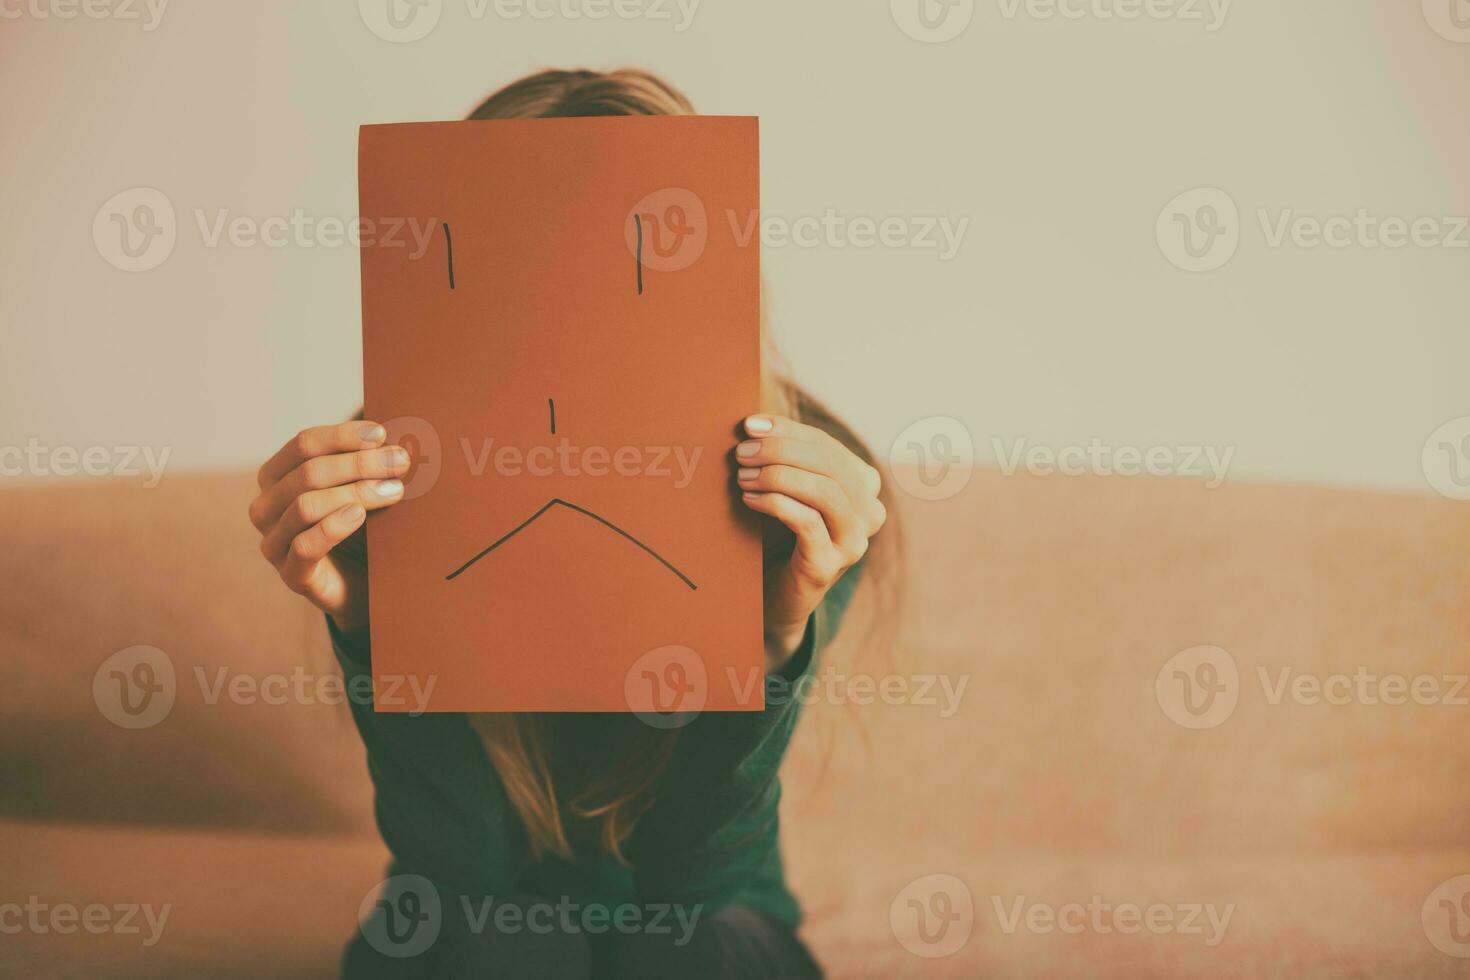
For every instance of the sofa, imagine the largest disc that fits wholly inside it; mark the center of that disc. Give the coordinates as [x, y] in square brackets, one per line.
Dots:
[1079, 802]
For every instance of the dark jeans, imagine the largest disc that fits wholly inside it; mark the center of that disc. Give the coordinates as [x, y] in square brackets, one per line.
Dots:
[737, 943]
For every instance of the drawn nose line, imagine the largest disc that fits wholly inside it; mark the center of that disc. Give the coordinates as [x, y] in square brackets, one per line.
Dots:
[555, 502]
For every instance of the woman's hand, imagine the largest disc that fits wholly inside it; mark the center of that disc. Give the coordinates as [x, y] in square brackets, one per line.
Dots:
[314, 495]
[826, 497]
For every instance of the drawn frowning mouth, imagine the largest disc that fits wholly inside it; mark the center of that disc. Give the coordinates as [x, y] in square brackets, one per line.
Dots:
[558, 502]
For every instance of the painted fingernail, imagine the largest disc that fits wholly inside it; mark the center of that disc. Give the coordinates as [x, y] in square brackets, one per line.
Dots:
[747, 449]
[352, 513]
[389, 488]
[372, 433]
[747, 473]
[757, 423]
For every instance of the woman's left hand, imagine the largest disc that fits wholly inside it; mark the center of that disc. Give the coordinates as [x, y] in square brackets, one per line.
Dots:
[826, 497]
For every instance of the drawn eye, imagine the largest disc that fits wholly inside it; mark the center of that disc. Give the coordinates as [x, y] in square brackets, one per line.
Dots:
[666, 231]
[449, 253]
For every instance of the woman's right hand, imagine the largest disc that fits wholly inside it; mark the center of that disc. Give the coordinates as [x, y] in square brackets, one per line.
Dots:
[314, 497]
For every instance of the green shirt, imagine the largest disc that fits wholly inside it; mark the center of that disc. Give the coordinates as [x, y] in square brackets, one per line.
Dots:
[709, 840]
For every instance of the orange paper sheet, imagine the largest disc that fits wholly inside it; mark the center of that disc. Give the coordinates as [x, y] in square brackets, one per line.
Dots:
[561, 322]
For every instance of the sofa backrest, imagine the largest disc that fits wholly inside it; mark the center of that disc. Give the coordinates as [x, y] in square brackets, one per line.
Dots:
[1084, 611]
[93, 569]
[1059, 599]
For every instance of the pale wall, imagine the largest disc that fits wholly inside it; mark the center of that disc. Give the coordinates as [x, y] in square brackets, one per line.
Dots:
[1058, 320]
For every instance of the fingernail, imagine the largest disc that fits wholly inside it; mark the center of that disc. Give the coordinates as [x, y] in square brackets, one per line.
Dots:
[757, 423]
[372, 433]
[747, 473]
[751, 495]
[747, 449]
[389, 488]
[397, 456]
[352, 513]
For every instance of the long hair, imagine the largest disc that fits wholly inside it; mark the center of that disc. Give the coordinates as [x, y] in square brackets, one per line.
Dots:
[521, 746]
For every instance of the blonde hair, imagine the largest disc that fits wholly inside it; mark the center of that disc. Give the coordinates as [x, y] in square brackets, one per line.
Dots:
[517, 745]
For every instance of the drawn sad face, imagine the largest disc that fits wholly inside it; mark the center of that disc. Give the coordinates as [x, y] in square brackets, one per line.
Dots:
[669, 226]
[567, 361]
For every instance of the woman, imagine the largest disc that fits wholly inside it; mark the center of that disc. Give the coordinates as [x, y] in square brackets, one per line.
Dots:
[533, 830]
